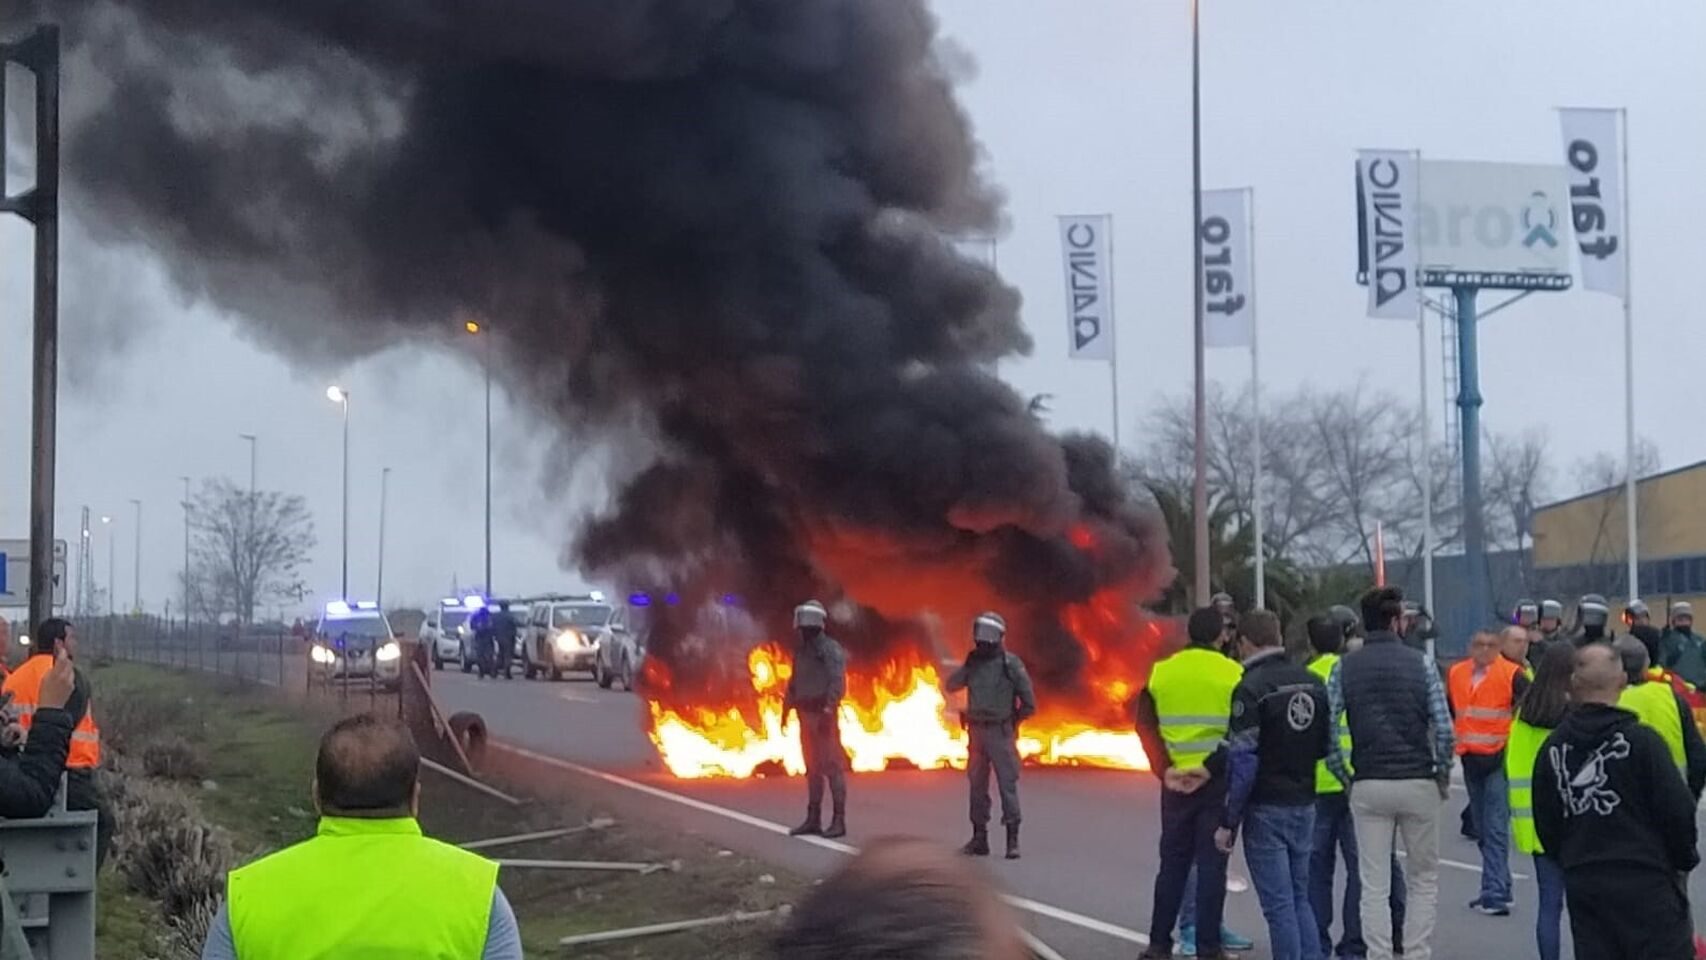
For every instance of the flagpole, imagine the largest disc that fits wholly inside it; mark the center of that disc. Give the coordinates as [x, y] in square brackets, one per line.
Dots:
[1113, 341]
[1199, 483]
[1255, 400]
[1631, 504]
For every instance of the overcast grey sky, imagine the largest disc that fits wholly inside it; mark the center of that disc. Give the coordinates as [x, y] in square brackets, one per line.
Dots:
[1082, 107]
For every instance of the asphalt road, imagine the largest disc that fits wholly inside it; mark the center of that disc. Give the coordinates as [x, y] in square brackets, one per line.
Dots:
[1084, 884]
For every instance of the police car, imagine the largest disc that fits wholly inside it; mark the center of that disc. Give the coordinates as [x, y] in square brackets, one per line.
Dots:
[563, 633]
[354, 641]
[447, 634]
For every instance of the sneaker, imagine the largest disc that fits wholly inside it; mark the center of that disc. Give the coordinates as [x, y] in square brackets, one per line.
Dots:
[1234, 942]
[1187, 946]
[1491, 909]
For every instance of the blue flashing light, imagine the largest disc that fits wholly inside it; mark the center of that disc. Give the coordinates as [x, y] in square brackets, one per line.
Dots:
[367, 605]
[671, 599]
[450, 602]
[730, 600]
[639, 600]
[473, 602]
[337, 608]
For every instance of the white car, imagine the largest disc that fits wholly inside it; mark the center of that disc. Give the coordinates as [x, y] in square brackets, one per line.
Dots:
[354, 641]
[563, 633]
[446, 635]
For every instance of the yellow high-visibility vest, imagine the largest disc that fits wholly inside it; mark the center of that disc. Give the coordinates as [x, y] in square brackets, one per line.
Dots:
[1522, 751]
[1193, 699]
[1655, 704]
[1325, 782]
[374, 889]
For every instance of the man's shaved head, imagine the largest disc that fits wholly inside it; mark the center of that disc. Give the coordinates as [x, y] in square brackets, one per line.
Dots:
[368, 767]
[1599, 676]
[902, 898]
[1633, 655]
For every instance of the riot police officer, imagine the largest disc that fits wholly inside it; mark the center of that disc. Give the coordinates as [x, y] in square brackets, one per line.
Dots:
[1593, 618]
[999, 697]
[815, 691]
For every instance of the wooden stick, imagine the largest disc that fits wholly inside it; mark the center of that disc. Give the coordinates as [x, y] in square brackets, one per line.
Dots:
[611, 865]
[470, 781]
[598, 824]
[654, 929]
[1039, 949]
[438, 716]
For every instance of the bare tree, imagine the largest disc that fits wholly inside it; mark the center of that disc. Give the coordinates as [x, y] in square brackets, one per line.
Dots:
[1604, 474]
[246, 548]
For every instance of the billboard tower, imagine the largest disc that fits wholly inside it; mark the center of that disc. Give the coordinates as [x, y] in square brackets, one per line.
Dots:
[1467, 227]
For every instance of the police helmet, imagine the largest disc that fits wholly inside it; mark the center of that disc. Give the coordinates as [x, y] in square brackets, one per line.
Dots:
[1682, 608]
[989, 627]
[1591, 611]
[810, 614]
[1526, 614]
[1551, 608]
[1348, 622]
[1636, 609]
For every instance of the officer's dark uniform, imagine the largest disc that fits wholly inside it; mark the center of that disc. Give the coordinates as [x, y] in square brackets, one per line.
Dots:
[999, 697]
[815, 691]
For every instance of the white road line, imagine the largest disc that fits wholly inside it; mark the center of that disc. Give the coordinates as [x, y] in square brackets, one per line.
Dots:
[1031, 906]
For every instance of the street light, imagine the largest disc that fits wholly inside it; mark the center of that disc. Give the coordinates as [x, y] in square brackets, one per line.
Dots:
[107, 521]
[340, 396]
[136, 565]
[186, 481]
[474, 329]
[379, 589]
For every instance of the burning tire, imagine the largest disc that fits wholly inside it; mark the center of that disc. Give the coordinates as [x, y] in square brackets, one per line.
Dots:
[470, 731]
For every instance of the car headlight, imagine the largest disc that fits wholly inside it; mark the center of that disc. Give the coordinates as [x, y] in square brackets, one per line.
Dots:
[388, 652]
[569, 640]
[320, 654]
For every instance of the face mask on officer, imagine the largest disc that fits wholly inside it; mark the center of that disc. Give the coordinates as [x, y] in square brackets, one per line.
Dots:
[1594, 617]
[987, 632]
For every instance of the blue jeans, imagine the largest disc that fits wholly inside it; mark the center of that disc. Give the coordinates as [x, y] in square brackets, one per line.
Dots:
[1549, 922]
[1277, 844]
[1489, 797]
[1335, 837]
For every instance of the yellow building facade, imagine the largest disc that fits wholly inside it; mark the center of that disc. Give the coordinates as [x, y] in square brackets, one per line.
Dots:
[1583, 541]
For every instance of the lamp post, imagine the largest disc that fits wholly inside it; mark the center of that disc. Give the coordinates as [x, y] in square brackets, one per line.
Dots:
[340, 396]
[186, 481]
[1199, 483]
[136, 564]
[474, 329]
[379, 588]
[107, 523]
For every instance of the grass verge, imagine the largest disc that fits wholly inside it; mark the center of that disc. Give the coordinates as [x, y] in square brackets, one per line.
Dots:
[257, 754]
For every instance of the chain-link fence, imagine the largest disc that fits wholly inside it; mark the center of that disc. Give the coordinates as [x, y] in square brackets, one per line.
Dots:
[270, 655]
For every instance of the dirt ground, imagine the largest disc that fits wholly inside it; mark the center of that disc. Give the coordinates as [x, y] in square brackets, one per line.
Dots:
[258, 750]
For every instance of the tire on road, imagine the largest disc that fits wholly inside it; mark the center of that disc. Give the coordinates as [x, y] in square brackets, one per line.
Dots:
[462, 654]
[627, 674]
[604, 678]
[470, 730]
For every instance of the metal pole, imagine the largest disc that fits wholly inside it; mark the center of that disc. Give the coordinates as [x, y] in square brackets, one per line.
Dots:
[343, 590]
[379, 589]
[246, 552]
[136, 564]
[111, 581]
[1427, 474]
[1255, 402]
[186, 481]
[40, 53]
[1199, 484]
[1631, 502]
[1478, 593]
[1113, 345]
[488, 365]
[83, 567]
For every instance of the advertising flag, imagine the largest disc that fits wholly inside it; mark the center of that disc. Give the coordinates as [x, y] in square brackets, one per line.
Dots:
[1593, 158]
[1229, 299]
[1084, 249]
[1389, 195]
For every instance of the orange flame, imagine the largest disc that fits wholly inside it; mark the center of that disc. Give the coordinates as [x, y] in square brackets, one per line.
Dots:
[898, 714]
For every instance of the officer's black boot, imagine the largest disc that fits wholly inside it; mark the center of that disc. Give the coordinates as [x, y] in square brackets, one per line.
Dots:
[837, 824]
[1012, 841]
[978, 845]
[813, 825]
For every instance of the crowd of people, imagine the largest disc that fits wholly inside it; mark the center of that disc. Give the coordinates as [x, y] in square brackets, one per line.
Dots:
[1578, 748]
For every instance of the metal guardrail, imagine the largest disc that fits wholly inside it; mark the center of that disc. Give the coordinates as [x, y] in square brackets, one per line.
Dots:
[49, 872]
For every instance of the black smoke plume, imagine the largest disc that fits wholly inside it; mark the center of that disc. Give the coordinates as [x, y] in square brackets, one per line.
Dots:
[721, 220]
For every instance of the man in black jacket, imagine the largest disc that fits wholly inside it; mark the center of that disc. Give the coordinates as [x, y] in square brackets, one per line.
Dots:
[1610, 808]
[1279, 730]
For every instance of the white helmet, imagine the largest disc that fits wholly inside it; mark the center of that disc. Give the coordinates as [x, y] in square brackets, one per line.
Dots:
[810, 614]
[989, 627]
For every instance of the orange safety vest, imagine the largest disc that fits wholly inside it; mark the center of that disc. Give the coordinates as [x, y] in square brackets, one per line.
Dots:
[1484, 712]
[25, 687]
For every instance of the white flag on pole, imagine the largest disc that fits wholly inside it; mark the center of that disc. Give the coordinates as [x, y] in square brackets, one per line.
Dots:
[1389, 197]
[1089, 286]
[1592, 154]
[1229, 299]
